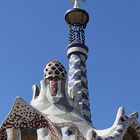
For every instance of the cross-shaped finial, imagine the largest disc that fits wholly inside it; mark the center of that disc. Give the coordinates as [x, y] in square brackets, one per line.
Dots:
[76, 3]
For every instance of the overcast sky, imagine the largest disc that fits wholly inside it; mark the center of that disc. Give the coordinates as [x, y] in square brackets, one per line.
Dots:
[34, 32]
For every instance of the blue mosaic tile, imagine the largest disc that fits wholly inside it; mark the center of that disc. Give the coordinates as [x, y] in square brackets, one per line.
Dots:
[87, 119]
[68, 132]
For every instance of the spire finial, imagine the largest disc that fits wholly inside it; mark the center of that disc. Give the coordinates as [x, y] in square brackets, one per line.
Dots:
[77, 19]
[77, 3]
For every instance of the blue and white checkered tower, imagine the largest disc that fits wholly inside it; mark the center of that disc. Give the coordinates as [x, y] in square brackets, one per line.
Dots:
[77, 52]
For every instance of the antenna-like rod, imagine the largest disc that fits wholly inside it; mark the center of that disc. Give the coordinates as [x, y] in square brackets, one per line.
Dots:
[76, 3]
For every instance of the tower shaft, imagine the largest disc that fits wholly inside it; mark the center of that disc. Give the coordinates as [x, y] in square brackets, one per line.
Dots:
[78, 83]
[77, 52]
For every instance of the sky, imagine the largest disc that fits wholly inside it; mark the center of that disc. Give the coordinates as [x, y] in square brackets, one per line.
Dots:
[34, 32]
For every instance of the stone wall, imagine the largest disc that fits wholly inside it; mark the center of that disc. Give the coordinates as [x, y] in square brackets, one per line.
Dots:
[28, 134]
[131, 134]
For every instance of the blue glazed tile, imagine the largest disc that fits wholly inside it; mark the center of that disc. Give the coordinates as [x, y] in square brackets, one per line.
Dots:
[77, 77]
[68, 132]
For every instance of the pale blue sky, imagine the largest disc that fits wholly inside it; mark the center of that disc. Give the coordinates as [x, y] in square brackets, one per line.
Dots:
[33, 32]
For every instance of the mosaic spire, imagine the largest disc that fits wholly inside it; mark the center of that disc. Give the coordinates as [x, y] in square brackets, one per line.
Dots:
[55, 115]
[77, 52]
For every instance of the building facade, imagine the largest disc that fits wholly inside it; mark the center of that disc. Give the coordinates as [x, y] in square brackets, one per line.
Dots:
[60, 109]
